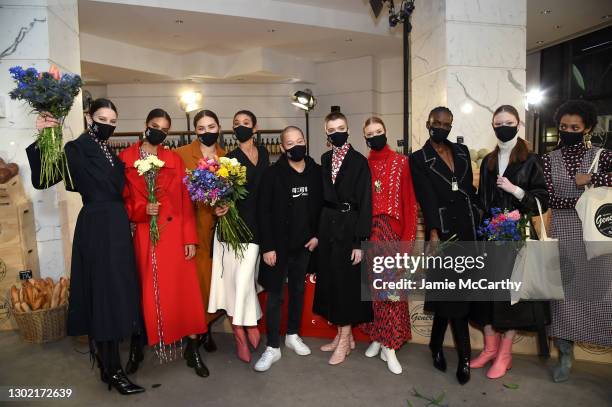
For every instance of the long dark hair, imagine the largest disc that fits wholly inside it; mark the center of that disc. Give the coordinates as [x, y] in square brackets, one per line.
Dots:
[520, 151]
[101, 103]
[158, 112]
[205, 113]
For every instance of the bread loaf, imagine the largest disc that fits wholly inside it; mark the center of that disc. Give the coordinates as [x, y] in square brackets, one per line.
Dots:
[14, 295]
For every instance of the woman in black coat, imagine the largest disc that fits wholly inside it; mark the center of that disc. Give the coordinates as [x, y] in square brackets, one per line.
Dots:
[346, 221]
[510, 178]
[104, 291]
[442, 178]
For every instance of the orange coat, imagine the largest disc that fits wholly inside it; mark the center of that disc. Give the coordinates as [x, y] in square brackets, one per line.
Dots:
[205, 222]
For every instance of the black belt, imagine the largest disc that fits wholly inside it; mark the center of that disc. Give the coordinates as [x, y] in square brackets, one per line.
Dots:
[341, 206]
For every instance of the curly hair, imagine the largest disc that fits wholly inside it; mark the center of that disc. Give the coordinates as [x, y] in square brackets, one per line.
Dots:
[586, 111]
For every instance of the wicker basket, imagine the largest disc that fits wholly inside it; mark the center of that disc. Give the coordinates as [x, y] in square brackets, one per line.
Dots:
[42, 326]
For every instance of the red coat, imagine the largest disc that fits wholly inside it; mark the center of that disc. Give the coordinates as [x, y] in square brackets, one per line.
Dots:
[182, 312]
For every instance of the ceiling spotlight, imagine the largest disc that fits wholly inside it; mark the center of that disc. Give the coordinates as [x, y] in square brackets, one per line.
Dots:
[178, 21]
[534, 97]
[540, 42]
[557, 27]
[304, 100]
[190, 100]
[606, 17]
[348, 39]
[545, 11]
[272, 30]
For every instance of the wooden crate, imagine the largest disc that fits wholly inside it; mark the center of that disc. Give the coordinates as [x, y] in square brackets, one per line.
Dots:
[17, 223]
[12, 191]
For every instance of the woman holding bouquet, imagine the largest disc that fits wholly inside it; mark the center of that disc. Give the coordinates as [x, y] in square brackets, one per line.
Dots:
[394, 211]
[511, 178]
[208, 129]
[104, 294]
[233, 282]
[164, 239]
[586, 313]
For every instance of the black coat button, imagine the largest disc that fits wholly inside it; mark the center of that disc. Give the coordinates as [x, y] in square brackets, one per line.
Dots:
[169, 218]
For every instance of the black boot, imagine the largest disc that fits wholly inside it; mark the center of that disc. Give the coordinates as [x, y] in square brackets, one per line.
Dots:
[136, 354]
[193, 358]
[208, 343]
[460, 330]
[435, 342]
[122, 383]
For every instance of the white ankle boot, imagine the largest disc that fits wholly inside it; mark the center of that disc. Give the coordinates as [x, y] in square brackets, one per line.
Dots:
[388, 355]
[373, 349]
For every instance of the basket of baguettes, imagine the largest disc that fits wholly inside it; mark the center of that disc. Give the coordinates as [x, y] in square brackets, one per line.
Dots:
[40, 307]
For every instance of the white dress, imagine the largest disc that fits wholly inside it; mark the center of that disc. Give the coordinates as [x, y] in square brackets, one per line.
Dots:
[234, 284]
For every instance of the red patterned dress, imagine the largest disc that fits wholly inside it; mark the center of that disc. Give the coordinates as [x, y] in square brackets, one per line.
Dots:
[394, 218]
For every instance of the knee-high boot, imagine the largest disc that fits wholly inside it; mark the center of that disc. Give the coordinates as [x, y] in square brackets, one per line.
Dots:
[461, 335]
[436, 340]
[112, 373]
[136, 354]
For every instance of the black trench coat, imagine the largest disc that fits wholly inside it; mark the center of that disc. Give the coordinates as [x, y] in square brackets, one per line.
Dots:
[529, 175]
[338, 287]
[274, 209]
[449, 212]
[104, 288]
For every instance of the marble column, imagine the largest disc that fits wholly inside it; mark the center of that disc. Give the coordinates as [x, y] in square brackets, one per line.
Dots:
[38, 33]
[470, 56]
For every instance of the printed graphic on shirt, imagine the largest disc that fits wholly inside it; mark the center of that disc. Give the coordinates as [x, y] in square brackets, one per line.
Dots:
[298, 192]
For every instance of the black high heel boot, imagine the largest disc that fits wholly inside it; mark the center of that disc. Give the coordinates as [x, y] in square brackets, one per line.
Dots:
[461, 335]
[435, 342]
[136, 355]
[122, 384]
[208, 343]
[193, 358]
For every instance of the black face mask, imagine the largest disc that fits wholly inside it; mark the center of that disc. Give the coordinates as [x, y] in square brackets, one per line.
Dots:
[296, 153]
[208, 139]
[101, 131]
[438, 134]
[505, 133]
[570, 138]
[155, 136]
[338, 138]
[377, 142]
[243, 133]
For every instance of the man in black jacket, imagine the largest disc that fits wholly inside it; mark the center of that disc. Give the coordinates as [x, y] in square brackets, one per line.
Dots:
[290, 201]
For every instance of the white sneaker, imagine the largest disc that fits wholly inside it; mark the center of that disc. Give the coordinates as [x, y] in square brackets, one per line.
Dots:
[388, 355]
[373, 349]
[295, 343]
[269, 356]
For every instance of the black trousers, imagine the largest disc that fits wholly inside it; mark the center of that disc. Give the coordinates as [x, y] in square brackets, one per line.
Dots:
[461, 334]
[297, 266]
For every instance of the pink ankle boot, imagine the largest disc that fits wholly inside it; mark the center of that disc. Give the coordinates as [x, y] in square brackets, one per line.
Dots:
[253, 335]
[242, 348]
[491, 346]
[503, 361]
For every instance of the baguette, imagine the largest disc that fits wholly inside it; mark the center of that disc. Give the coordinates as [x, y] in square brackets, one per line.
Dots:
[49, 281]
[38, 303]
[21, 294]
[55, 298]
[28, 293]
[25, 307]
[17, 307]
[14, 295]
[63, 296]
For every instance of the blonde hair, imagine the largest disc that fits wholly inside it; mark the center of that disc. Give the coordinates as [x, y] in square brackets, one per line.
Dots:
[372, 120]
